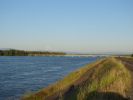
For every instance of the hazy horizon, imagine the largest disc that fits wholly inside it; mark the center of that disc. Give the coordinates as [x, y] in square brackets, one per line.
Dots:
[71, 26]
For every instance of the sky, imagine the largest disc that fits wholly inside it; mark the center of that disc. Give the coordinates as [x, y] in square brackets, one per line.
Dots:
[86, 26]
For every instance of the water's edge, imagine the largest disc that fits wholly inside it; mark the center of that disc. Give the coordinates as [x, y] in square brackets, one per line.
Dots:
[19, 75]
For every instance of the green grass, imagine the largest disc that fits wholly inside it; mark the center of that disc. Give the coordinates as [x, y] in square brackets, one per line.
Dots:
[104, 76]
[111, 76]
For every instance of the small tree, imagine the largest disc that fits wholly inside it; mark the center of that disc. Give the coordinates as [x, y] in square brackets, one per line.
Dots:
[132, 55]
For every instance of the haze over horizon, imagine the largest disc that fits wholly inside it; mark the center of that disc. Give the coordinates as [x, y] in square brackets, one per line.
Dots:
[87, 26]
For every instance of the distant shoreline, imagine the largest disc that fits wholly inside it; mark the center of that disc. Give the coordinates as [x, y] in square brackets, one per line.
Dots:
[13, 52]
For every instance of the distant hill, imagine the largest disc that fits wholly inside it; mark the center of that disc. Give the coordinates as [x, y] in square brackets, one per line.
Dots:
[5, 48]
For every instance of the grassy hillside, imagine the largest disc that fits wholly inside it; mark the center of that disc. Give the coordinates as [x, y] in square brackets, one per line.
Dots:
[106, 79]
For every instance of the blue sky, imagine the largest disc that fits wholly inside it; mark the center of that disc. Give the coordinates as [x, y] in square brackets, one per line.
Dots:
[67, 25]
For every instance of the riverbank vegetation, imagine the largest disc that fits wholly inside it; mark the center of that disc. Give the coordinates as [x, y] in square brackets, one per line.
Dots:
[13, 52]
[106, 79]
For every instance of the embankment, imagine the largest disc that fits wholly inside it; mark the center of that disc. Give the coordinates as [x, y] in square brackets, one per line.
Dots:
[106, 79]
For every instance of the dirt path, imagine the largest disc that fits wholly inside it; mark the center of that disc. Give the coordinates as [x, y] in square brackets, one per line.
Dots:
[128, 62]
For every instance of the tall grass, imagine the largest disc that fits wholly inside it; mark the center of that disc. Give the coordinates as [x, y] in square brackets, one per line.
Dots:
[106, 75]
[110, 76]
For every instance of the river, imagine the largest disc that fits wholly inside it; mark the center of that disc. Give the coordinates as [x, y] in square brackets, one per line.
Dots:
[19, 75]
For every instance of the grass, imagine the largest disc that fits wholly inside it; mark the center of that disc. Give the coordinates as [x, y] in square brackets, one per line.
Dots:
[110, 76]
[106, 76]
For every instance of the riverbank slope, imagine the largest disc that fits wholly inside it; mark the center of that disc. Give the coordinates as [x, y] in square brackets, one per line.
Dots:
[106, 79]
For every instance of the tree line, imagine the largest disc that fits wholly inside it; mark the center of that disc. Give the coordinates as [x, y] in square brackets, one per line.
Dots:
[13, 52]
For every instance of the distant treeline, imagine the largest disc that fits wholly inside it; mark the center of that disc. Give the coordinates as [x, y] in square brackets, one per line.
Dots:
[28, 53]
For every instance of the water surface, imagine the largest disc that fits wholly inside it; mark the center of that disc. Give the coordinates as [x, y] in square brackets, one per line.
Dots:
[19, 75]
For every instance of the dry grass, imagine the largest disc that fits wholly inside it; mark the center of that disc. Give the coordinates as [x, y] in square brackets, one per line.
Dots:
[60, 85]
[109, 77]
[104, 76]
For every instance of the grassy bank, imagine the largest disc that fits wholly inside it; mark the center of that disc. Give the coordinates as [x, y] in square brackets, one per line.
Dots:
[105, 79]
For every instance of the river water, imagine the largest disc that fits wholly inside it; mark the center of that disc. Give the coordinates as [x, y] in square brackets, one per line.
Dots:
[19, 75]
